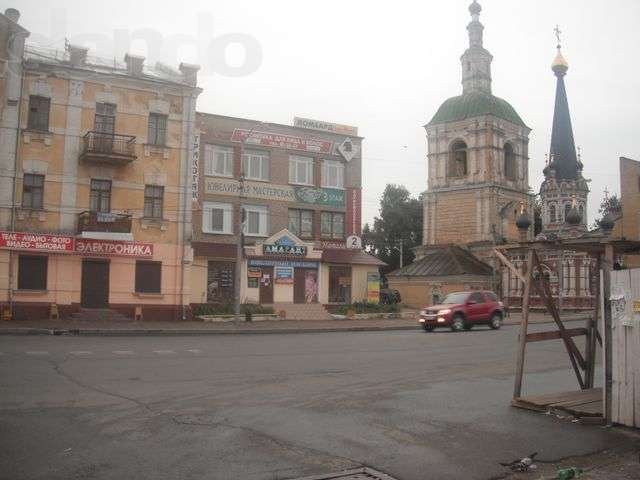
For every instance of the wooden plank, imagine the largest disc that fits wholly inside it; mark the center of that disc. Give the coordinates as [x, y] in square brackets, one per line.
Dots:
[591, 352]
[509, 265]
[593, 397]
[554, 334]
[558, 397]
[524, 325]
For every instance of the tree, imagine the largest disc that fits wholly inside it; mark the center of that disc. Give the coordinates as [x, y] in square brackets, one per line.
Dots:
[399, 223]
[609, 204]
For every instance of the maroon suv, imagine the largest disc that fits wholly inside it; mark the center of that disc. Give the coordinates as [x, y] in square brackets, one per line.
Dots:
[462, 310]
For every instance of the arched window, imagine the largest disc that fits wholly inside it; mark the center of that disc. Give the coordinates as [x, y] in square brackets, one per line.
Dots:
[509, 162]
[458, 160]
[553, 217]
[567, 209]
[581, 210]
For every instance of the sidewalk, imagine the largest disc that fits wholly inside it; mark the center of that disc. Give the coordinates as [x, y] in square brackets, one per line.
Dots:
[90, 327]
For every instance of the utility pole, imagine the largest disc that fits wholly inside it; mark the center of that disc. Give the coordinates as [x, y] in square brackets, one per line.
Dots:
[240, 222]
[401, 254]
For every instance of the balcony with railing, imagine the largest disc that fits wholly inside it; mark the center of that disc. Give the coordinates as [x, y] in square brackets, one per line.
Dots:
[104, 222]
[108, 148]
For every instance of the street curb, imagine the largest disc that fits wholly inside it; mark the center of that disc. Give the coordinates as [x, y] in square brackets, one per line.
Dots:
[96, 332]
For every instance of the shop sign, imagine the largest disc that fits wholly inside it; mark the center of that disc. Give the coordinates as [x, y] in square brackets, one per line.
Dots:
[41, 242]
[311, 124]
[373, 287]
[354, 242]
[330, 197]
[256, 262]
[36, 242]
[87, 246]
[195, 167]
[254, 273]
[284, 275]
[278, 140]
[296, 250]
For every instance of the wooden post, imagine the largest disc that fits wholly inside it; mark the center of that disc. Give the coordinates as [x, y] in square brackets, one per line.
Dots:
[607, 266]
[593, 332]
[524, 324]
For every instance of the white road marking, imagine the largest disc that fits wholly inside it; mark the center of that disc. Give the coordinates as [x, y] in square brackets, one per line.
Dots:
[81, 352]
[164, 352]
[37, 352]
[122, 352]
[195, 351]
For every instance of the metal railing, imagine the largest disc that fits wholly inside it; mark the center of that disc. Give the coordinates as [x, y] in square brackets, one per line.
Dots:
[104, 222]
[98, 143]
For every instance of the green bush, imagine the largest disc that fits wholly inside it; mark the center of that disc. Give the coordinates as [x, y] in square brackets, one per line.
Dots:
[228, 309]
[367, 307]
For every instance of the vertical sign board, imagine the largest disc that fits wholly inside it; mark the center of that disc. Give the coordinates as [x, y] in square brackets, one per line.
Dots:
[195, 167]
[354, 211]
[373, 287]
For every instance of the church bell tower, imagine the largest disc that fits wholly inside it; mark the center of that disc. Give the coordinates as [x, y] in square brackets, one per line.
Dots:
[478, 160]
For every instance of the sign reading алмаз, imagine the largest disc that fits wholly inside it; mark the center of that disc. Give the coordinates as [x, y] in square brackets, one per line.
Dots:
[332, 197]
[51, 243]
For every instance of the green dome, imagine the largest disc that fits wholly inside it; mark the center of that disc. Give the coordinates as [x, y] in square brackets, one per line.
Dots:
[475, 104]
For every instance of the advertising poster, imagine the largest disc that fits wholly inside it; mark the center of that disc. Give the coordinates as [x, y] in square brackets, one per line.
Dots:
[373, 287]
[283, 275]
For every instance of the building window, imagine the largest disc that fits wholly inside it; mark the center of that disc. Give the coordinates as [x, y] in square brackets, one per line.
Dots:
[32, 191]
[32, 272]
[153, 199]
[38, 118]
[301, 222]
[332, 225]
[300, 170]
[255, 165]
[100, 196]
[553, 217]
[218, 161]
[458, 160]
[220, 278]
[256, 220]
[157, 129]
[332, 174]
[217, 218]
[148, 276]
[509, 162]
[567, 209]
[105, 119]
[581, 210]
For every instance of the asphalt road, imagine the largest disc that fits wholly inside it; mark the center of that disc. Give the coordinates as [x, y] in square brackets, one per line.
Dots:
[411, 404]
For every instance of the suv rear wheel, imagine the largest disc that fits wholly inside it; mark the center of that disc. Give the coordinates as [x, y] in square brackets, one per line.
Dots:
[459, 323]
[496, 321]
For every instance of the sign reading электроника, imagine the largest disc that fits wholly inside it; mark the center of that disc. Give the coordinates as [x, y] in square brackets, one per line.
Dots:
[332, 197]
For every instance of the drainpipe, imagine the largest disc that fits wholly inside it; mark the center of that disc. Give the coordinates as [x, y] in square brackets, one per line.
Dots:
[186, 203]
[15, 184]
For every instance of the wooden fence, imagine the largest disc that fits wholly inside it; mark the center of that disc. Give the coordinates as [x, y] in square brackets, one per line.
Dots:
[625, 347]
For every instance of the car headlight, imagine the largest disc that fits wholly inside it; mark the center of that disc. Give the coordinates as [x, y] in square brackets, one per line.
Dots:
[423, 312]
[446, 311]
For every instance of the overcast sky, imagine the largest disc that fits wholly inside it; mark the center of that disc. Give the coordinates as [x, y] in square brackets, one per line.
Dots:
[383, 66]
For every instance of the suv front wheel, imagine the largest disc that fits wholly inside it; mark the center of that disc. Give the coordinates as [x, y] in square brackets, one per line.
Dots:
[496, 321]
[458, 324]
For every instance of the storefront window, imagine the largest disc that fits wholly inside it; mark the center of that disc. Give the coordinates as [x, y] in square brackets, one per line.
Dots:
[148, 276]
[301, 222]
[32, 272]
[220, 282]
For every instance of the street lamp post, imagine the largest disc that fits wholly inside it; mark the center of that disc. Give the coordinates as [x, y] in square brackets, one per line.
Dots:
[240, 225]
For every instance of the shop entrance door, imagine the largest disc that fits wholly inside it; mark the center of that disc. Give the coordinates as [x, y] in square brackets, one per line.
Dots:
[340, 284]
[266, 286]
[94, 290]
[305, 285]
